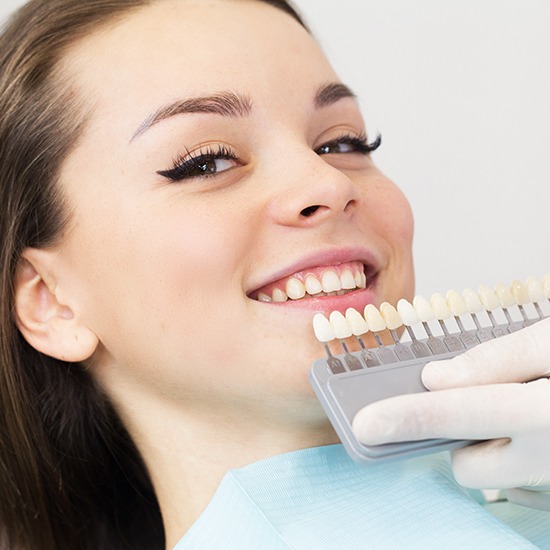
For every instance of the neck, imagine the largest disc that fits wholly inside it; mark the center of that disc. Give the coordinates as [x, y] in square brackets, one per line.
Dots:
[187, 452]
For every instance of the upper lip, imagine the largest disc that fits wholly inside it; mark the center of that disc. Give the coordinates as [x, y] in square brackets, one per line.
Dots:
[322, 258]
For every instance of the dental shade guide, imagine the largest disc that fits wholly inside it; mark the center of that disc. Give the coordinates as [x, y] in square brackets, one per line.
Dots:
[345, 383]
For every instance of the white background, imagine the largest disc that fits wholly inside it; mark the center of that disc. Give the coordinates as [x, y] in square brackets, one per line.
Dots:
[460, 91]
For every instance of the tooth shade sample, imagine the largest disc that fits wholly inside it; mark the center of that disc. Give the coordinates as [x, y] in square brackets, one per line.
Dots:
[295, 289]
[519, 292]
[264, 298]
[331, 282]
[279, 295]
[546, 285]
[322, 328]
[340, 326]
[313, 285]
[407, 312]
[391, 316]
[440, 307]
[356, 322]
[535, 290]
[473, 303]
[456, 303]
[488, 298]
[505, 296]
[423, 309]
[347, 279]
[374, 320]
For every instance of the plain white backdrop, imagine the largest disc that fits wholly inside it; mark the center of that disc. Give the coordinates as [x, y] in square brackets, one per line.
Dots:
[460, 91]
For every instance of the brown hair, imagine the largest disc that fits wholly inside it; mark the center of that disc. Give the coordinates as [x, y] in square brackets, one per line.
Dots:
[70, 476]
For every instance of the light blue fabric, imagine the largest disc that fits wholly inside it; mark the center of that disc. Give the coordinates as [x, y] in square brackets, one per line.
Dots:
[319, 499]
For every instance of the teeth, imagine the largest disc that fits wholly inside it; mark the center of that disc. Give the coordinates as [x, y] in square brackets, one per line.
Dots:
[519, 292]
[456, 303]
[264, 298]
[423, 309]
[408, 313]
[360, 280]
[440, 307]
[339, 325]
[535, 290]
[322, 328]
[505, 296]
[488, 298]
[347, 280]
[391, 316]
[473, 303]
[295, 289]
[313, 285]
[356, 322]
[279, 296]
[330, 281]
[374, 320]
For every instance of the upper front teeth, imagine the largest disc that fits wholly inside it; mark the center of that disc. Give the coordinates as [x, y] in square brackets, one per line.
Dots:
[330, 282]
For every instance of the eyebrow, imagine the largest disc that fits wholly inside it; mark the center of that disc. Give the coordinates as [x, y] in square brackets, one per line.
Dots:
[229, 104]
[232, 104]
[331, 93]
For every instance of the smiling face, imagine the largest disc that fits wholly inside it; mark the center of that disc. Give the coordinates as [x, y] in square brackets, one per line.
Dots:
[222, 187]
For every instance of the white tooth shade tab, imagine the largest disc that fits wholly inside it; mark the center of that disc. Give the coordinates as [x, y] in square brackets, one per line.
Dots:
[423, 309]
[322, 328]
[519, 292]
[456, 303]
[488, 298]
[331, 282]
[295, 289]
[535, 290]
[440, 307]
[313, 285]
[340, 326]
[546, 285]
[391, 316]
[473, 303]
[407, 312]
[374, 320]
[356, 322]
[505, 296]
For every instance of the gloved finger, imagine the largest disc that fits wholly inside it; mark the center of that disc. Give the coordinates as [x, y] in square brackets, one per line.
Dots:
[517, 357]
[529, 498]
[503, 463]
[477, 412]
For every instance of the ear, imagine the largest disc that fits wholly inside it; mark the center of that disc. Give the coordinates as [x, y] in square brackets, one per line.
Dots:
[48, 326]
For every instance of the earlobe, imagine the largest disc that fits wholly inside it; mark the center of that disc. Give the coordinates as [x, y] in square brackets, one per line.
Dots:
[48, 326]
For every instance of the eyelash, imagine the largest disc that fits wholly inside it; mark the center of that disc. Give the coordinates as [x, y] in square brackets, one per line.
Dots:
[185, 166]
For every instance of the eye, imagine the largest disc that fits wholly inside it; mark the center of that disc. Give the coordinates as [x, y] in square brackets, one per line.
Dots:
[204, 163]
[349, 144]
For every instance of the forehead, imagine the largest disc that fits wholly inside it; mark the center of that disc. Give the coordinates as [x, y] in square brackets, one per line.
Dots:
[180, 48]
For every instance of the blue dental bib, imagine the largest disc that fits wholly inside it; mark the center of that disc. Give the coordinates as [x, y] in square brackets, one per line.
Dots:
[319, 499]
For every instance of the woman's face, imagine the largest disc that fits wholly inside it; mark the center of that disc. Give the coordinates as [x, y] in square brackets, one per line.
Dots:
[221, 160]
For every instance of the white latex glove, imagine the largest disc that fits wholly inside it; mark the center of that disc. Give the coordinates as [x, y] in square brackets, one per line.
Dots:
[486, 394]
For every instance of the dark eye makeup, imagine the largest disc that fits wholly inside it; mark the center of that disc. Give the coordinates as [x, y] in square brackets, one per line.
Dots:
[213, 160]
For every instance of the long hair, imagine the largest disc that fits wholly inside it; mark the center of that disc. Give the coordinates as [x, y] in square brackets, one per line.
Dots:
[70, 475]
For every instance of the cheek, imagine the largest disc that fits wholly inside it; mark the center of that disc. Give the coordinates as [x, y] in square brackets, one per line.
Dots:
[391, 213]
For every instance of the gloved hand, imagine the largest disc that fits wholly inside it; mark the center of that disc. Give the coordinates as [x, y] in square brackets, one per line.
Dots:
[498, 393]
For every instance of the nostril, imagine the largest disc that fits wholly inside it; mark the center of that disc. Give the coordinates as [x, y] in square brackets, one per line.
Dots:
[306, 212]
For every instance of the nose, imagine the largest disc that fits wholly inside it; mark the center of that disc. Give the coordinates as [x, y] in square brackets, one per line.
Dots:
[310, 191]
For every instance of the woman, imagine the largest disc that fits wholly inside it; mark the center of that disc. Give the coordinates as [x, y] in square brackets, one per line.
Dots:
[178, 177]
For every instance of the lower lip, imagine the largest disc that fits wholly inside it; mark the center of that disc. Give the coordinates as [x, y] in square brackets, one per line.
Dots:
[357, 299]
